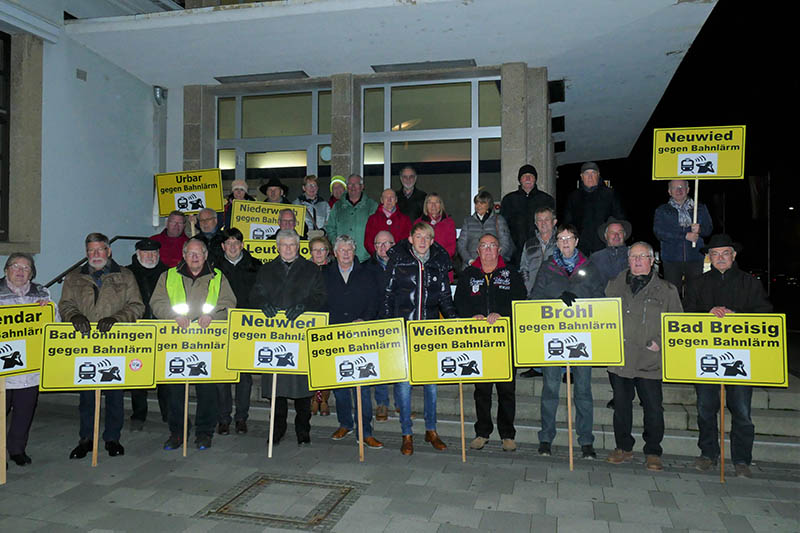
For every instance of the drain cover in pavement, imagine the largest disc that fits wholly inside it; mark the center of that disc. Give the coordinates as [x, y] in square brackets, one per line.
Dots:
[290, 502]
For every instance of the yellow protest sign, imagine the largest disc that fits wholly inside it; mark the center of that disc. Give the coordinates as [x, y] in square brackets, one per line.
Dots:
[259, 220]
[459, 350]
[192, 354]
[189, 191]
[358, 353]
[21, 337]
[698, 153]
[738, 349]
[266, 251]
[548, 333]
[122, 358]
[276, 345]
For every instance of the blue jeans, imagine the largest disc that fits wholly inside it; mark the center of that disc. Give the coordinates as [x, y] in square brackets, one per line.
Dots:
[402, 400]
[346, 405]
[584, 408]
[381, 394]
[115, 414]
[737, 398]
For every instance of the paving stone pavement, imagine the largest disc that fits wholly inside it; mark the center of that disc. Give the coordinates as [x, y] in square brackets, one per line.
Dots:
[149, 489]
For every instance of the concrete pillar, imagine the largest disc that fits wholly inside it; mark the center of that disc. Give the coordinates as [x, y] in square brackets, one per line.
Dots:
[539, 136]
[345, 134]
[513, 117]
[192, 120]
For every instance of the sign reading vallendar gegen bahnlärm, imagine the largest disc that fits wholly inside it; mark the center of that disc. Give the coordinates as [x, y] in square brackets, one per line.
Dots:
[715, 152]
[737, 349]
[189, 191]
[21, 335]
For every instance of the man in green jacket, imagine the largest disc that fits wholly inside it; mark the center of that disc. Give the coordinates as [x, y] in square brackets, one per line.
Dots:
[349, 215]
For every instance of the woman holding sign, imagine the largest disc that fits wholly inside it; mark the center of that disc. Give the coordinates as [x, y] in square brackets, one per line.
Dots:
[18, 288]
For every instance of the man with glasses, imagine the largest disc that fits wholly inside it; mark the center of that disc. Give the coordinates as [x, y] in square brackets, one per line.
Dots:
[644, 297]
[206, 222]
[410, 199]
[172, 239]
[722, 290]
[384, 241]
[673, 226]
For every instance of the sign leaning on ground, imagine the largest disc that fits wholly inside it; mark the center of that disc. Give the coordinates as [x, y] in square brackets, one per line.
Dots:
[698, 153]
[548, 333]
[261, 344]
[738, 349]
[266, 251]
[121, 358]
[259, 220]
[21, 337]
[358, 353]
[189, 191]
[459, 350]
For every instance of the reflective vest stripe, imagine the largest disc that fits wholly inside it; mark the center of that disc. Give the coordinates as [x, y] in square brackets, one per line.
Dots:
[177, 293]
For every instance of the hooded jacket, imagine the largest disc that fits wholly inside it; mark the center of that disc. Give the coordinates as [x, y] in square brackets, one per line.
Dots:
[482, 293]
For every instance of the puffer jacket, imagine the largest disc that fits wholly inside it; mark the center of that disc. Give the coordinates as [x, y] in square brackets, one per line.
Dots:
[533, 257]
[349, 219]
[641, 323]
[473, 229]
[585, 281]
[674, 246]
[482, 293]
[415, 291]
[317, 211]
[118, 296]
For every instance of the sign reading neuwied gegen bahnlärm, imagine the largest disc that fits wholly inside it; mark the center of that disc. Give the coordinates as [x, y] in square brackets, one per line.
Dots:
[189, 191]
[460, 350]
[261, 344]
[549, 333]
[121, 358]
[698, 153]
[259, 220]
[266, 251]
[21, 333]
[737, 349]
[192, 354]
[358, 353]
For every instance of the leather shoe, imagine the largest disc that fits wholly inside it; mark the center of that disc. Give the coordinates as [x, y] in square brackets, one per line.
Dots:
[114, 448]
[341, 433]
[21, 459]
[373, 443]
[223, 428]
[241, 426]
[407, 448]
[382, 413]
[80, 451]
[436, 442]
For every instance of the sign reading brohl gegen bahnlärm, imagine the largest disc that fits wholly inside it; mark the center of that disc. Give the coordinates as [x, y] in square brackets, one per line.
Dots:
[21, 328]
[189, 191]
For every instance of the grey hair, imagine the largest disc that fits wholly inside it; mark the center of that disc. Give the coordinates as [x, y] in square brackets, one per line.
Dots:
[193, 239]
[287, 210]
[642, 243]
[359, 176]
[96, 237]
[287, 234]
[342, 240]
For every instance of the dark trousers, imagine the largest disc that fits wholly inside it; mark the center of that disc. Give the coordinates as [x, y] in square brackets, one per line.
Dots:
[737, 398]
[139, 403]
[302, 417]
[115, 414]
[681, 273]
[506, 409]
[649, 391]
[21, 403]
[207, 408]
[243, 389]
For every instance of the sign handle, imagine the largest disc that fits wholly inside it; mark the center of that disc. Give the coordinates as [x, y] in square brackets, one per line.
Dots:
[360, 425]
[463, 437]
[3, 430]
[696, 194]
[722, 433]
[96, 433]
[185, 415]
[272, 414]
[569, 415]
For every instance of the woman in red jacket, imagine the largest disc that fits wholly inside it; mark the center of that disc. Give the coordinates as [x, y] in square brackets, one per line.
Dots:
[443, 225]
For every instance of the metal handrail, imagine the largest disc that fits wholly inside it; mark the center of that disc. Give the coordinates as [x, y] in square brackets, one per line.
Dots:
[60, 277]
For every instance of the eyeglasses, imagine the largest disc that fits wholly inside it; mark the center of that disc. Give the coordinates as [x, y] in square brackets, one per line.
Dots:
[23, 268]
[566, 239]
[206, 219]
[643, 257]
[488, 245]
[194, 254]
[319, 250]
[726, 253]
[385, 243]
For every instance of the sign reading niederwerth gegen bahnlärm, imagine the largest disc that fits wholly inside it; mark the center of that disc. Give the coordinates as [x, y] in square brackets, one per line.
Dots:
[698, 153]
[737, 349]
[21, 328]
[588, 333]
[189, 191]
[259, 220]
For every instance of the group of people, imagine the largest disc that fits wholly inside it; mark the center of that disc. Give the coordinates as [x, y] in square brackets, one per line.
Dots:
[395, 259]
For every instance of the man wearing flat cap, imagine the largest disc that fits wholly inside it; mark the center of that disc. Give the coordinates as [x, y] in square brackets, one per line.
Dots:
[275, 191]
[722, 290]
[591, 205]
[519, 209]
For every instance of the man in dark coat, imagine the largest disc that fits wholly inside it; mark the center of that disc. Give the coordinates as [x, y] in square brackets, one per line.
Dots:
[295, 285]
[146, 266]
[410, 200]
[519, 208]
[590, 206]
[725, 289]
[485, 291]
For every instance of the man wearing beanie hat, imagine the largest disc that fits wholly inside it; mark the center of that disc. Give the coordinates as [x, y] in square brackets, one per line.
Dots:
[519, 208]
[590, 206]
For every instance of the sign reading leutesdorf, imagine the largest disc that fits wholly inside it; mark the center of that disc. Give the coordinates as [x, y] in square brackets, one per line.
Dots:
[698, 153]
[189, 191]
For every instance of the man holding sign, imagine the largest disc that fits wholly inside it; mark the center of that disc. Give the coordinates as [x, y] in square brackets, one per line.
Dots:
[725, 289]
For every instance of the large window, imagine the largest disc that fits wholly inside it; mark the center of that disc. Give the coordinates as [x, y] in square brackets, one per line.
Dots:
[5, 113]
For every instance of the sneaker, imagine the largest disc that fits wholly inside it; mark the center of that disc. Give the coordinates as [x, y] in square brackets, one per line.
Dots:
[372, 442]
[341, 433]
[619, 456]
[653, 462]
[203, 442]
[509, 445]
[587, 452]
[704, 464]
[743, 470]
[114, 448]
[173, 442]
[382, 413]
[241, 426]
[544, 449]
[478, 443]
[223, 428]
[530, 373]
[136, 424]
[79, 452]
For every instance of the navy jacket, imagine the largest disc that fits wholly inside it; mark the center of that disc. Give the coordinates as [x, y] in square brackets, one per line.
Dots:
[358, 298]
[674, 246]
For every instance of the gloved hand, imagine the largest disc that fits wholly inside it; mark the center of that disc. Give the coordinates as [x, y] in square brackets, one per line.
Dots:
[104, 324]
[269, 310]
[568, 298]
[295, 311]
[81, 323]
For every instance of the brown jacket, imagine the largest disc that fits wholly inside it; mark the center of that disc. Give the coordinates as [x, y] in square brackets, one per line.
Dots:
[117, 297]
[196, 292]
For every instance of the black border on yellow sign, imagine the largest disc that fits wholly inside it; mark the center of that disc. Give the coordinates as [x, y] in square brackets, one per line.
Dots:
[37, 357]
[165, 210]
[698, 176]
